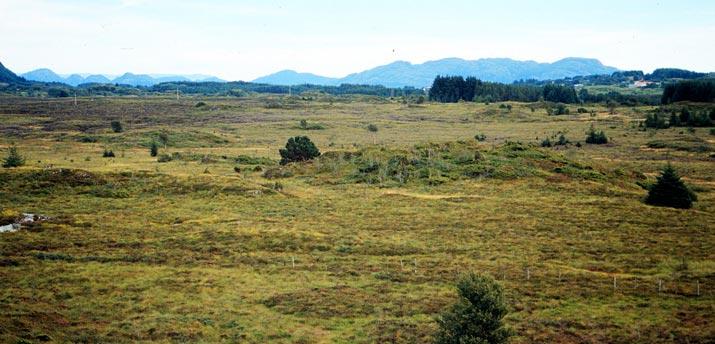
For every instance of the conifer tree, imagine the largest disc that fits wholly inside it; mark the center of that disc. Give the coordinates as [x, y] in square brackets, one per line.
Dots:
[154, 149]
[477, 316]
[670, 191]
[13, 159]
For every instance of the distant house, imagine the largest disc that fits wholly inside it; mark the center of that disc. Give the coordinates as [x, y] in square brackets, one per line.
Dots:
[641, 83]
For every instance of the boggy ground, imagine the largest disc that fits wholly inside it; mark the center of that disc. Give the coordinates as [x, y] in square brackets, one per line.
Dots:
[362, 245]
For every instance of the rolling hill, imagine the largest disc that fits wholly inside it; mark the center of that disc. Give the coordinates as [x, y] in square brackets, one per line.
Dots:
[8, 77]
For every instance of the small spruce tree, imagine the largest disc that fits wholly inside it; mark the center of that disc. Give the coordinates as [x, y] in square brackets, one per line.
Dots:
[477, 316]
[13, 159]
[298, 148]
[154, 149]
[670, 191]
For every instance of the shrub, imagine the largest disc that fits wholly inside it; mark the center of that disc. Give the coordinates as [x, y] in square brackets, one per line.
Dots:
[164, 158]
[298, 148]
[117, 126]
[560, 109]
[310, 126]
[58, 93]
[670, 191]
[13, 159]
[657, 121]
[200, 104]
[477, 316]
[546, 143]
[154, 149]
[372, 128]
[87, 139]
[108, 154]
[277, 172]
[562, 140]
[581, 110]
[596, 137]
[480, 137]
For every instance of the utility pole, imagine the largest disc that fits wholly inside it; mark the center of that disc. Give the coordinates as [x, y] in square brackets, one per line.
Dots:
[177, 92]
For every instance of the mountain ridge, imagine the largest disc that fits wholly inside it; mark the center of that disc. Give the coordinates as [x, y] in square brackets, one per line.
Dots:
[403, 73]
[47, 75]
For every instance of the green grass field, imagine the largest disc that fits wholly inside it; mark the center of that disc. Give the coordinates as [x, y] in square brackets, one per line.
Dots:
[346, 248]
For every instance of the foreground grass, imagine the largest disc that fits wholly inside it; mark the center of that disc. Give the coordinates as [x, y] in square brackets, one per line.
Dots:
[190, 250]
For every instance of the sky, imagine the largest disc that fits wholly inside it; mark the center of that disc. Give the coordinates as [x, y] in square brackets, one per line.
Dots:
[242, 40]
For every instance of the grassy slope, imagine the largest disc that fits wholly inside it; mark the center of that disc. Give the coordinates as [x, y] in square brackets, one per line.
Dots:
[191, 250]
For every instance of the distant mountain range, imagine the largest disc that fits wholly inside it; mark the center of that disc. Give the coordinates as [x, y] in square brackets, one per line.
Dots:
[47, 75]
[401, 73]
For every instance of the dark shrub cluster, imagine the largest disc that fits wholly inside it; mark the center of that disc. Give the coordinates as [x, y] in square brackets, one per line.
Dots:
[298, 148]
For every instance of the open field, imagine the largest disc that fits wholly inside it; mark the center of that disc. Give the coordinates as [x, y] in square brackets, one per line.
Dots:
[336, 250]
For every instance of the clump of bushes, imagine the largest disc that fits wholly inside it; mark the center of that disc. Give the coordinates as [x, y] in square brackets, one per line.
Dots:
[559, 109]
[164, 158]
[117, 126]
[299, 148]
[87, 139]
[108, 153]
[659, 119]
[310, 126]
[478, 315]
[670, 191]
[200, 104]
[13, 159]
[480, 137]
[560, 141]
[596, 137]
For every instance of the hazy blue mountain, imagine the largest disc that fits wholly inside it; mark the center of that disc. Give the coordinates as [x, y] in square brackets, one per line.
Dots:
[47, 75]
[135, 80]
[74, 80]
[291, 77]
[210, 79]
[43, 75]
[172, 78]
[96, 79]
[8, 77]
[401, 73]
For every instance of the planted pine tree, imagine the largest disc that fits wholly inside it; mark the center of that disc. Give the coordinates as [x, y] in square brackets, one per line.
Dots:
[670, 191]
[478, 315]
[13, 159]
[298, 148]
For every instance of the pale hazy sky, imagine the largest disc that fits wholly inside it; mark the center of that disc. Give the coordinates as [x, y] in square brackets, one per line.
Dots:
[241, 40]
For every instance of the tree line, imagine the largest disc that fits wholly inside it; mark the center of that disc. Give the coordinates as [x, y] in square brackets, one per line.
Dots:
[689, 90]
[451, 89]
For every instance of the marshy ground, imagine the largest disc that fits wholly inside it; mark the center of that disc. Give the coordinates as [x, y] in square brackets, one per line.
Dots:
[361, 245]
